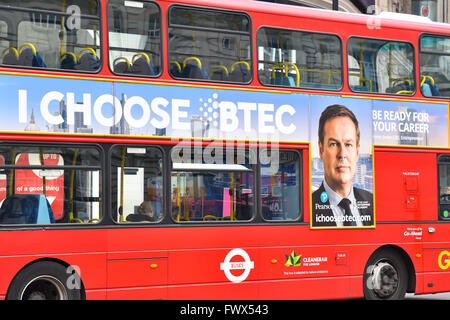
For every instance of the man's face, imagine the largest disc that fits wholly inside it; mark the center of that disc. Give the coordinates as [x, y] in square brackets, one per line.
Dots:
[339, 153]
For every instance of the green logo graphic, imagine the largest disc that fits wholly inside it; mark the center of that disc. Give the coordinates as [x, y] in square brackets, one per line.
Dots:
[293, 260]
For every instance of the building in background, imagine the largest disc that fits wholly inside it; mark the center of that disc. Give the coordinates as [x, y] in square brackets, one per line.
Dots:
[435, 10]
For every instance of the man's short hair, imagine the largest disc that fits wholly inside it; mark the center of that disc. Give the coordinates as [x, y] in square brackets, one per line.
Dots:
[334, 111]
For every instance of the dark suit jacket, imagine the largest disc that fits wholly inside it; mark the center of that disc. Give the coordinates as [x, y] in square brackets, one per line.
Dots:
[363, 198]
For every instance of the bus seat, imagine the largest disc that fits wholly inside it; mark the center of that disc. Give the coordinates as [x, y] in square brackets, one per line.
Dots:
[361, 88]
[26, 209]
[429, 88]
[400, 87]
[192, 68]
[68, 60]
[283, 81]
[10, 56]
[240, 72]
[88, 60]
[28, 56]
[121, 65]
[141, 64]
[219, 72]
[175, 68]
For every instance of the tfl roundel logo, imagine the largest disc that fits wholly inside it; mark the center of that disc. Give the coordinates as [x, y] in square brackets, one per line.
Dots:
[324, 197]
[247, 265]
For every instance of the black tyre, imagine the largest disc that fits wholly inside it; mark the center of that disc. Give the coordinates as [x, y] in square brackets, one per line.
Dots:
[45, 280]
[385, 276]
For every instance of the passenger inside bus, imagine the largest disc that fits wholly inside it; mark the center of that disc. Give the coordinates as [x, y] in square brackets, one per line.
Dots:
[145, 213]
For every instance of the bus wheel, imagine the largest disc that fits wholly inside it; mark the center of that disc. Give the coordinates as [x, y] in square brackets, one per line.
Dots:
[385, 277]
[45, 280]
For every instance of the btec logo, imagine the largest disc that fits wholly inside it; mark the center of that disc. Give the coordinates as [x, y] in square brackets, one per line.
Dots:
[324, 197]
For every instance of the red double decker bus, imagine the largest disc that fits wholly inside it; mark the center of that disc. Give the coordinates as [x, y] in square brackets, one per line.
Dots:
[234, 150]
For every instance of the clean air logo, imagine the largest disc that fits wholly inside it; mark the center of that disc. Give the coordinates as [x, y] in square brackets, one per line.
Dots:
[324, 197]
[247, 265]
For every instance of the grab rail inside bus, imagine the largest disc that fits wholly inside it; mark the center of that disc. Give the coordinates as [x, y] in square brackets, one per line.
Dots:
[219, 72]
[11, 176]
[72, 182]
[424, 78]
[285, 67]
[362, 80]
[10, 56]
[122, 165]
[199, 63]
[210, 217]
[71, 54]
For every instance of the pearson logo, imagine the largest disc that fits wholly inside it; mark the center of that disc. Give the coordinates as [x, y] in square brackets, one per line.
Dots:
[324, 197]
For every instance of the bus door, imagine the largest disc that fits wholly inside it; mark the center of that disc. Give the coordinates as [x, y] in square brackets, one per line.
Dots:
[137, 258]
[216, 257]
[436, 236]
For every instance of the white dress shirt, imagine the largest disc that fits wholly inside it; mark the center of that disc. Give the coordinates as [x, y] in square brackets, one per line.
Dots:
[338, 212]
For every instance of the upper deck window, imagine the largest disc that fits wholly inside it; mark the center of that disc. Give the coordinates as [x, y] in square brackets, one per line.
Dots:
[53, 34]
[435, 66]
[299, 59]
[209, 45]
[380, 66]
[134, 33]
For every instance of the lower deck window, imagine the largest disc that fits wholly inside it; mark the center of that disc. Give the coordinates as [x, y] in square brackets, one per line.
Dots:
[280, 187]
[47, 185]
[136, 182]
[444, 187]
[212, 196]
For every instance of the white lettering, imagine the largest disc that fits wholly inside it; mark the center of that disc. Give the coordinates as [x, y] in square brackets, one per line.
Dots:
[84, 108]
[23, 104]
[228, 120]
[279, 119]
[265, 116]
[45, 112]
[165, 118]
[139, 101]
[177, 114]
[117, 114]
[247, 108]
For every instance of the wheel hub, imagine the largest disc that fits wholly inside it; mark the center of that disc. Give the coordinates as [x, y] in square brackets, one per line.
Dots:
[385, 280]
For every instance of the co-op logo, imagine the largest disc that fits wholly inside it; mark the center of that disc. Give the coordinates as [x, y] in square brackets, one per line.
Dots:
[444, 260]
[247, 265]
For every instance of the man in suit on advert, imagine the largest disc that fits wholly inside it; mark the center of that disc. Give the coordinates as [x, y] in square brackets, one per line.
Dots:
[337, 203]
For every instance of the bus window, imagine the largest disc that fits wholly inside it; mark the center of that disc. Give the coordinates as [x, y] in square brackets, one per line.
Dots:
[212, 190]
[44, 185]
[299, 59]
[53, 34]
[435, 66]
[134, 32]
[444, 187]
[280, 187]
[380, 66]
[136, 183]
[209, 45]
